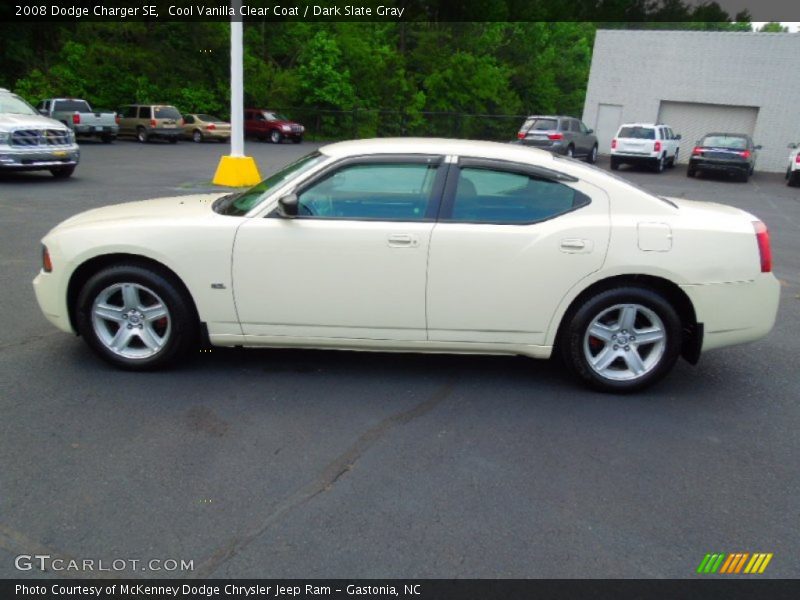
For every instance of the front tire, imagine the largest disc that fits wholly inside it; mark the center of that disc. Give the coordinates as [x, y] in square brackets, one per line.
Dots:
[107, 138]
[275, 136]
[62, 172]
[622, 340]
[135, 318]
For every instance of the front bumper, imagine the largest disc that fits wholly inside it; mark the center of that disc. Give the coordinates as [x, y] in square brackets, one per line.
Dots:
[52, 299]
[735, 313]
[38, 157]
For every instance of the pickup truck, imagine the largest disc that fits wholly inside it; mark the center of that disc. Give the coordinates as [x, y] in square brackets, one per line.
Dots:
[79, 116]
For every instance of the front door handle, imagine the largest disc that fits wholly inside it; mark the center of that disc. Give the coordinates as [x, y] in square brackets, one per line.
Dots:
[403, 240]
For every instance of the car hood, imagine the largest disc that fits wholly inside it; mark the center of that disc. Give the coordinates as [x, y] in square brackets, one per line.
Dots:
[177, 207]
[12, 121]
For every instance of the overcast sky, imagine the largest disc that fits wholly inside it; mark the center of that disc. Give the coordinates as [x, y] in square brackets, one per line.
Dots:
[763, 10]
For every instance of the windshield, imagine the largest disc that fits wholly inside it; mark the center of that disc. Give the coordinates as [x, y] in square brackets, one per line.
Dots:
[166, 112]
[725, 141]
[638, 133]
[535, 124]
[14, 105]
[210, 119]
[273, 116]
[241, 203]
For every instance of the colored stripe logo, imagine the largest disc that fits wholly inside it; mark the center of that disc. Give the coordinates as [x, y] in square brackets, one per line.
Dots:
[734, 563]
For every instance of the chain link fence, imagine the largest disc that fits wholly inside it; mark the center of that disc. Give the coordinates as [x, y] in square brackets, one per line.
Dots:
[325, 124]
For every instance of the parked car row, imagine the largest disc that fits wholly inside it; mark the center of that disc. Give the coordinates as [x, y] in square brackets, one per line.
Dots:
[654, 145]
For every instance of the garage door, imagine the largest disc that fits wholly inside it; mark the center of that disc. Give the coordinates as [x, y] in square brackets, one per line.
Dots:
[693, 120]
[609, 118]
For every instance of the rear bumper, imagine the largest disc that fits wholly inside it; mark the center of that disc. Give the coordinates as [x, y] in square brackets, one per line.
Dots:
[719, 165]
[735, 313]
[555, 146]
[96, 129]
[634, 158]
[160, 132]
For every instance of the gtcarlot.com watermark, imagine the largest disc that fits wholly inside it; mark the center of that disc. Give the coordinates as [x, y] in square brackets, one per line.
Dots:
[45, 562]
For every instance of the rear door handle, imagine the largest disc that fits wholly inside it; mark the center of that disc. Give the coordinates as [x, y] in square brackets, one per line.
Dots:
[403, 240]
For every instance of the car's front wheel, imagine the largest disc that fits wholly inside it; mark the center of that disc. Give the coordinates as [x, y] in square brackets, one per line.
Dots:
[623, 339]
[62, 172]
[135, 318]
[141, 135]
[275, 136]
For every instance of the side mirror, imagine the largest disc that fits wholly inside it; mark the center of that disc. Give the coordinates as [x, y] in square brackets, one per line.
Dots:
[288, 206]
[677, 137]
[589, 131]
[43, 112]
[792, 146]
[758, 147]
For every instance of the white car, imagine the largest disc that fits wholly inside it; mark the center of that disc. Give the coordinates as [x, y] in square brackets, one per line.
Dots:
[793, 171]
[651, 144]
[418, 245]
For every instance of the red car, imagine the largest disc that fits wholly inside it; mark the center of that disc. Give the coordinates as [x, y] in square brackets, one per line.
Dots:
[268, 125]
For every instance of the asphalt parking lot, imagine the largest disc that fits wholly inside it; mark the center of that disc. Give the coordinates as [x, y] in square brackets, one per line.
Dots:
[282, 464]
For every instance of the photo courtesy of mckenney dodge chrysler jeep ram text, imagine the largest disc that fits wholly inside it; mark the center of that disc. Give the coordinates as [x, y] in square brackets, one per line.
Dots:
[421, 245]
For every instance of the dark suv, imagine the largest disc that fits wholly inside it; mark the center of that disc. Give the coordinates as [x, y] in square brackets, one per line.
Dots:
[731, 153]
[560, 135]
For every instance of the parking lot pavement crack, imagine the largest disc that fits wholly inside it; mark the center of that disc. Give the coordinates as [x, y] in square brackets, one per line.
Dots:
[335, 470]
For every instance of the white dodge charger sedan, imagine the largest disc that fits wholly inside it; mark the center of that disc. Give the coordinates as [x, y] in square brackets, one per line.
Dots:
[418, 245]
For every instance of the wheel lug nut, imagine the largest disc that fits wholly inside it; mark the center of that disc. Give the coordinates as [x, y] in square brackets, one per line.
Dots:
[616, 347]
[614, 336]
[124, 316]
[130, 326]
[627, 348]
[633, 339]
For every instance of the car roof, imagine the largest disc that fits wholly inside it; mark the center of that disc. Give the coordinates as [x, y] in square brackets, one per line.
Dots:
[550, 117]
[643, 125]
[743, 135]
[439, 147]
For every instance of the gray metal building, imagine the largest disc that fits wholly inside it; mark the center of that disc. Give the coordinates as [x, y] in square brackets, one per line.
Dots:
[698, 82]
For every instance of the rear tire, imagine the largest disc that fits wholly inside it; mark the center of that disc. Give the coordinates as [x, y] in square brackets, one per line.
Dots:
[141, 135]
[197, 136]
[690, 172]
[570, 153]
[660, 164]
[615, 164]
[793, 178]
[591, 158]
[173, 140]
[107, 138]
[645, 345]
[744, 177]
[135, 317]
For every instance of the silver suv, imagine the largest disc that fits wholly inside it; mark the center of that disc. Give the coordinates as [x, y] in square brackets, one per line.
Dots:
[31, 142]
[560, 135]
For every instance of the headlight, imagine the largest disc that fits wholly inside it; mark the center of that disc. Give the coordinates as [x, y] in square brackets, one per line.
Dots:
[286, 127]
[71, 135]
[4, 135]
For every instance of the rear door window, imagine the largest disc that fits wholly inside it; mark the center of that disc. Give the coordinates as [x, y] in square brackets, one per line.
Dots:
[493, 196]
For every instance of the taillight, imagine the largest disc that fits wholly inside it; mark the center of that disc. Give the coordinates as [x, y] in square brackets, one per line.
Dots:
[116, 119]
[555, 136]
[697, 150]
[521, 135]
[764, 249]
[613, 143]
[47, 264]
[153, 123]
[76, 118]
[745, 154]
[211, 126]
[657, 147]
[797, 158]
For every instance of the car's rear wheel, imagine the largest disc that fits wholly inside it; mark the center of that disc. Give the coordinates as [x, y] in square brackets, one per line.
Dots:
[141, 135]
[660, 164]
[591, 158]
[135, 318]
[62, 172]
[107, 138]
[623, 339]
[792, 178]
[173, 140]
[673, 160]
[570, 152]
[275, 136]
[298, 140]
[614, 164]
[744, 176]
[690, 172]
[197, 136]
